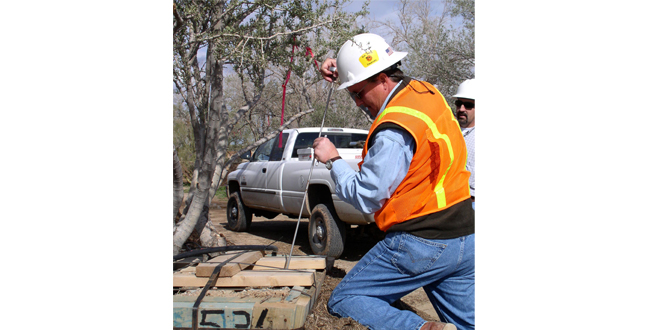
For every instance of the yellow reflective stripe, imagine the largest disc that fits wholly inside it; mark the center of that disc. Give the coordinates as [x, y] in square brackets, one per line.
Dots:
[438, 189]
[454, 119]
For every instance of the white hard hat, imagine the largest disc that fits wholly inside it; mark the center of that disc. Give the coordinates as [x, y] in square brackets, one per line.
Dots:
[364, 56]
[466, 90]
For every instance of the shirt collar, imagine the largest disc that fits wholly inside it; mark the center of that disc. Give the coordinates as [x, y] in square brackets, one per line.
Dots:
[388, 99]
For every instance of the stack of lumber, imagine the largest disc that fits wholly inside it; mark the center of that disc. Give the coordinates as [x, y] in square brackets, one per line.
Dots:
[229, 309]
[252, 269]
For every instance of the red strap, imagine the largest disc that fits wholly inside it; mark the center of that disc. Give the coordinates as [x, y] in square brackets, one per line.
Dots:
[310, 52]
[284, 86]
[284, 90]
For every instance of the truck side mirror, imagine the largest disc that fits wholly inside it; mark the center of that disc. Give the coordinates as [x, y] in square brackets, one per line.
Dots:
[246, 155]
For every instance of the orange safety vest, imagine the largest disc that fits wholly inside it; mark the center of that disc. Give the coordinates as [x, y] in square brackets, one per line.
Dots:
[437, 178]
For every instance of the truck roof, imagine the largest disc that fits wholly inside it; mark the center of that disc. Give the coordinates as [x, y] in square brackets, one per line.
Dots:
[326, 129]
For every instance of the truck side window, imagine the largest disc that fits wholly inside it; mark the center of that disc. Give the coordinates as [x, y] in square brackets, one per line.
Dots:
[358, 140]
[304, 140]
[278, 150]
[342, 140]
[263, 152]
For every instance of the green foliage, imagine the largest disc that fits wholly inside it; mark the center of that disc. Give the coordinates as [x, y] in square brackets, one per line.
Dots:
[221, 193]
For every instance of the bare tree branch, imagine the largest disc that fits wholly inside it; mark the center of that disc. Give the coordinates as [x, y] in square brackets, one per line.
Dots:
[180, 21]
[250, 37]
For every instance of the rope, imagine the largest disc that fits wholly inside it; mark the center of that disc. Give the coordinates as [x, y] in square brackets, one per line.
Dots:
[308, 52]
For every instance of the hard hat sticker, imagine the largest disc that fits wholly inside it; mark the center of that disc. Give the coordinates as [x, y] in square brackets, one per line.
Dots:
[368, 58]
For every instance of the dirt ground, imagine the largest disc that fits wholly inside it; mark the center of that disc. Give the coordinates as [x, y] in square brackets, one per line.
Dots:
[280, 231]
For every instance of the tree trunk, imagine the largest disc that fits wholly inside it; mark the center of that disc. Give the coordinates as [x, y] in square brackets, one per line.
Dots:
[177, 184]
[195, 210]
[213, 158]
[222, 147]
[217, 181]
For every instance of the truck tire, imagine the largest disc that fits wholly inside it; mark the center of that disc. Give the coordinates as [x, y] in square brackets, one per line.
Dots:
[238, 215]
[326, 232]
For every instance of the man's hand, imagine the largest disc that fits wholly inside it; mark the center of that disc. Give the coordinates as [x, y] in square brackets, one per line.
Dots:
[324, 150]
[328, 74]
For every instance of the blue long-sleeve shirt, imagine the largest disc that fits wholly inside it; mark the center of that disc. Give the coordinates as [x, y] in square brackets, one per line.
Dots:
[386, 164]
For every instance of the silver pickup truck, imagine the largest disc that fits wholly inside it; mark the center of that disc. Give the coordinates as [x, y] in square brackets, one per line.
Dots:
[273, 182]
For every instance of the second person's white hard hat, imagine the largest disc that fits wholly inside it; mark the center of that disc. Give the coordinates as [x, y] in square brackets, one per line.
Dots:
[466, 90]
[364, 56]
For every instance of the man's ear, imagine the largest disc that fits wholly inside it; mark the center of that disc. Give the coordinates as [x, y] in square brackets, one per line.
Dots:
[382, 77]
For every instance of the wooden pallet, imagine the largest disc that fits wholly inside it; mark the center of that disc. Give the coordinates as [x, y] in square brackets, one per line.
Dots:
[232, 304]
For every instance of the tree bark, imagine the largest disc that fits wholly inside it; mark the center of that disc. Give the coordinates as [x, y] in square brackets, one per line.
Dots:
[177, 183]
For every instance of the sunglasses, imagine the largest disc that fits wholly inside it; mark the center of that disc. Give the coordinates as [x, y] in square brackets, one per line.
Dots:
[356, 96]
[468, 105]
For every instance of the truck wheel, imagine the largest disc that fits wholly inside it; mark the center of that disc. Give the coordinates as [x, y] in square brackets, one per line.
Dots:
[326, 232]
[239, 216]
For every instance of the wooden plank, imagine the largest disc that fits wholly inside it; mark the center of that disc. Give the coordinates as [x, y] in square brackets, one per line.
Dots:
[249, 278]
[214, 312]
[304, 305]
[272, 315]
[190, 269]
[297, 262]
[249, 312]
[205, 269]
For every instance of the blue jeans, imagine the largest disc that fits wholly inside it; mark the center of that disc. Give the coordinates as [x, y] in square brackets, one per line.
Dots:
[398, 265]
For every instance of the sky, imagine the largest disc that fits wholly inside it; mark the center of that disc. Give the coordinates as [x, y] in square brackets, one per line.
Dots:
[384, 10]
[87, 133]
[380, 10]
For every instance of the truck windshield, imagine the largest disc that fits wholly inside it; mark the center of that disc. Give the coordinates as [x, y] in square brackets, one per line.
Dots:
[340, 140]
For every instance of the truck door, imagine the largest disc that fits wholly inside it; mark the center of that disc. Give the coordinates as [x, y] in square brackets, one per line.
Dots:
[274, 174]
[254, 178]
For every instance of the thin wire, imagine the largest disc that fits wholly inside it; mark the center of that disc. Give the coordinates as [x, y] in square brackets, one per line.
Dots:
[313, 160]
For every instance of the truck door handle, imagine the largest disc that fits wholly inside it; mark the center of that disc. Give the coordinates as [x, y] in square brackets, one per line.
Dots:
[264, 170]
